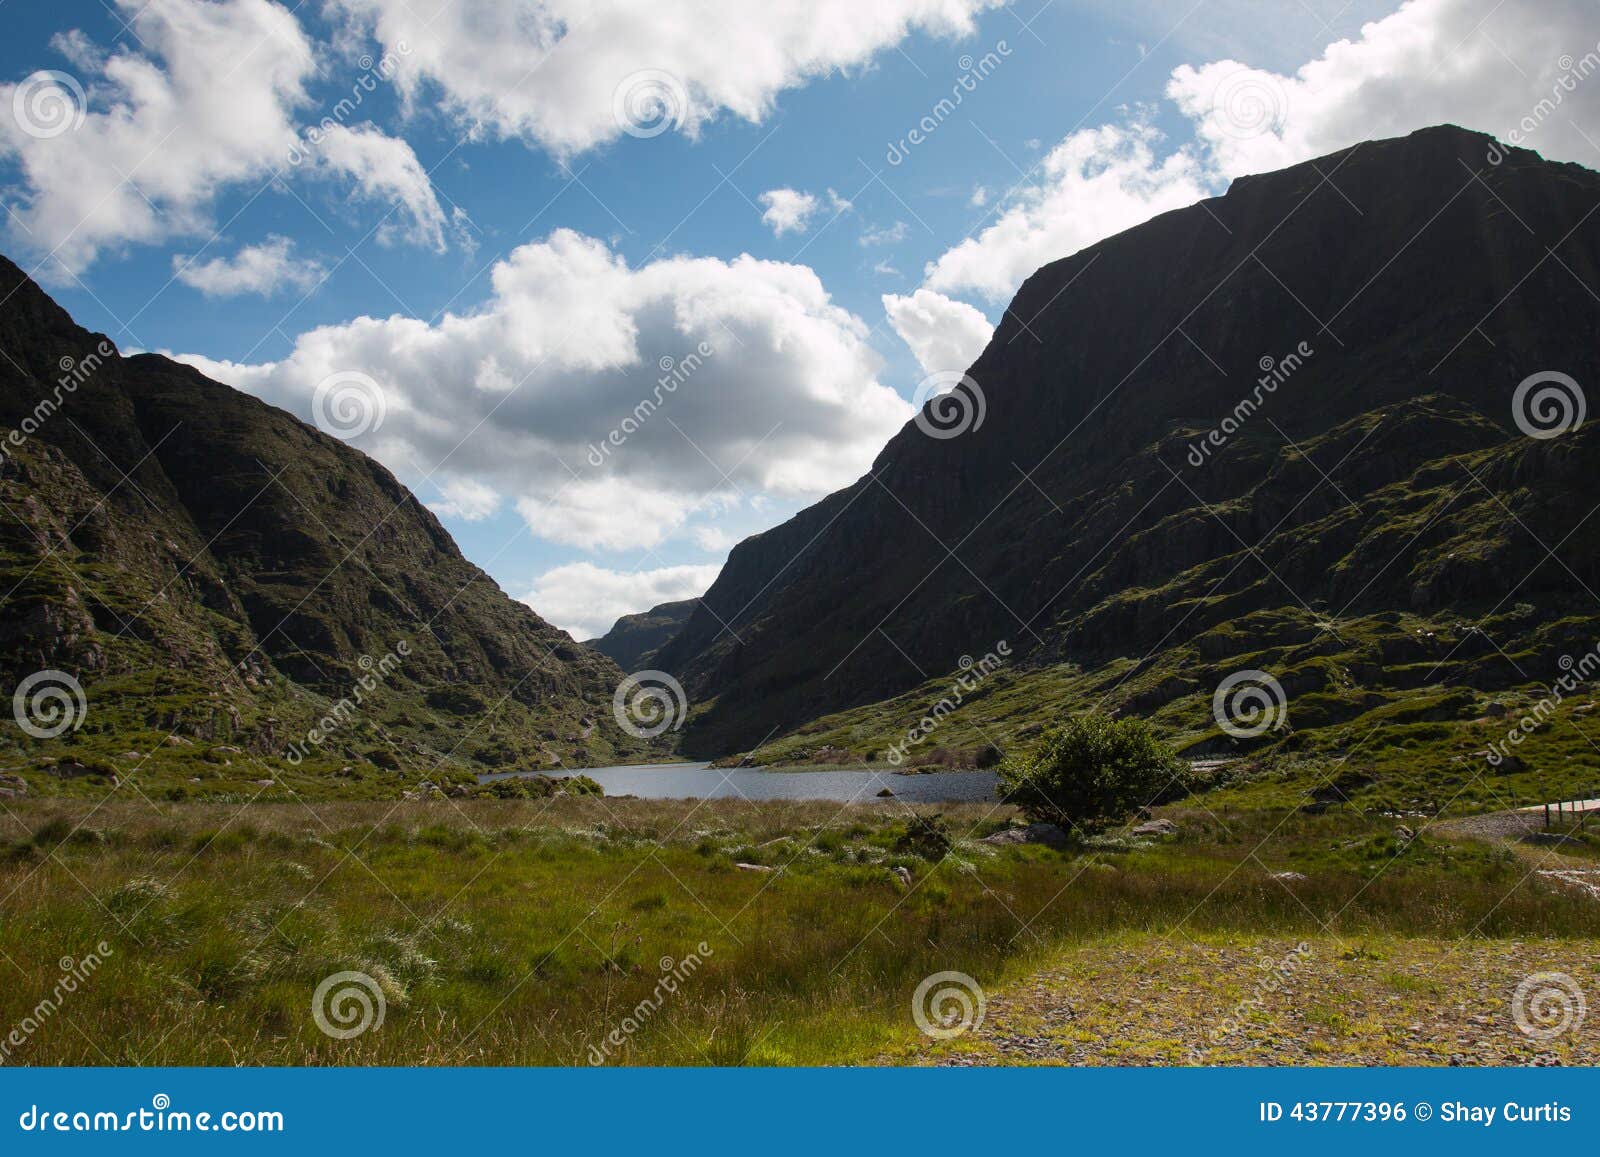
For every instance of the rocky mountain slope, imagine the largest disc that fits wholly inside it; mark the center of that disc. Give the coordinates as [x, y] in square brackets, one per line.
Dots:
[212, 569]
[1277, 430]
[633, 639]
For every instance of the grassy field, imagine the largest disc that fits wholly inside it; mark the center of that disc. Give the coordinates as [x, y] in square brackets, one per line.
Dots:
[572, 930]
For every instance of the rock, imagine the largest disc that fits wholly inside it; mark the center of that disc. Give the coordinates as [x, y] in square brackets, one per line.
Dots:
[1404, 834]
[71, 769]
[1155, 828]
[1048, 834]
[754, 868]
[885, 794]
[1289, 877]
[177, 741]
[903, 874]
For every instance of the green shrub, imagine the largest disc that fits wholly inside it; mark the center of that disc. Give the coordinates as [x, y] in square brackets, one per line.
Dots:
[927, 837]
[1092, 772]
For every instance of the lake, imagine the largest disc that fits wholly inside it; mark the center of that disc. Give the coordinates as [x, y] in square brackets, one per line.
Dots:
[702, 781]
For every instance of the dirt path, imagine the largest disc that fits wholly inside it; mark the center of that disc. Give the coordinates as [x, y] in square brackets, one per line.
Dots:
[1149, 1001]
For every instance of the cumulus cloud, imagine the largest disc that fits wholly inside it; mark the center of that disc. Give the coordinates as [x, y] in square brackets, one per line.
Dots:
[572, 74]
[384, 168]
[1516, 70]
[1094, 183]
[268, 268]
[883, 234]
[787, 210]
[943, 334]
[586, 600]
[1502, 68]
[137, 146]
[466, 499]
[613, 406]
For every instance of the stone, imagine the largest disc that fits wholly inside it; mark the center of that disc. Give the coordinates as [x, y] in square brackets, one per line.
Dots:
[1155, 828]
[1048, 834]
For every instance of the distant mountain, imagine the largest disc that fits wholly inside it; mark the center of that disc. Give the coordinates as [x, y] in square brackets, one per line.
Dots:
[632, 641]
[207, 565]
[1279, 429]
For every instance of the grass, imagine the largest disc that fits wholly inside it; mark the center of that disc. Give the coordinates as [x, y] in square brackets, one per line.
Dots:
[526, 932]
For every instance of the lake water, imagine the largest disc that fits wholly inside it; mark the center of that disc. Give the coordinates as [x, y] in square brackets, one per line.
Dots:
[702, 781]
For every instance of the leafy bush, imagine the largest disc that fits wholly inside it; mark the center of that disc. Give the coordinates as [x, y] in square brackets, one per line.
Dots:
[927, 837]
[1092, 772]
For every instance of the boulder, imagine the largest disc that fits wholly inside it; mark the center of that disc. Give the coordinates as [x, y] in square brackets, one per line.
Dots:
[1155, 828]
[1048, 834]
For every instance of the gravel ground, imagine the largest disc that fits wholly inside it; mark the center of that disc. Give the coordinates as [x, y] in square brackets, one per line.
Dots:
[1150, 1001]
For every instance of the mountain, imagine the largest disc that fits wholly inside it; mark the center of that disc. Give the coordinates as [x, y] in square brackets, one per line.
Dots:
[633, 639]
[1276, 430]
[208, 566]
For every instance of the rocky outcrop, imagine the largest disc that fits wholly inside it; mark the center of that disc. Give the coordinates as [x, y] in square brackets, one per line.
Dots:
[1297, 395]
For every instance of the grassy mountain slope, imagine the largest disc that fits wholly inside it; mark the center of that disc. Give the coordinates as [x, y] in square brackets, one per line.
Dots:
[1376, 530]
[218, 576]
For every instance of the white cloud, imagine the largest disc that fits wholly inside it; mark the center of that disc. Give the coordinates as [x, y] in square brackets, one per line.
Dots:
[202, 97]
[580, 391]
[586, 600]
[268, 268]
[556, 71]
[943, 334]
[1094, 183]
[787, 210]
[1477, 63]
[385, 168]
[884, 234]
[466, 499]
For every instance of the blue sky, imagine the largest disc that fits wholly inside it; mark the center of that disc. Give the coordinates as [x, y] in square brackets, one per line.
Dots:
[436, 214]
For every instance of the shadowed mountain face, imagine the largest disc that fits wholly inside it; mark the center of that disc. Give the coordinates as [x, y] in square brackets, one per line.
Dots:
[205, 563]
[633, 639]
[1300, 397]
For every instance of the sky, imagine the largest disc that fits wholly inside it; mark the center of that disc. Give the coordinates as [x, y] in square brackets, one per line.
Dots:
[613, 284]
